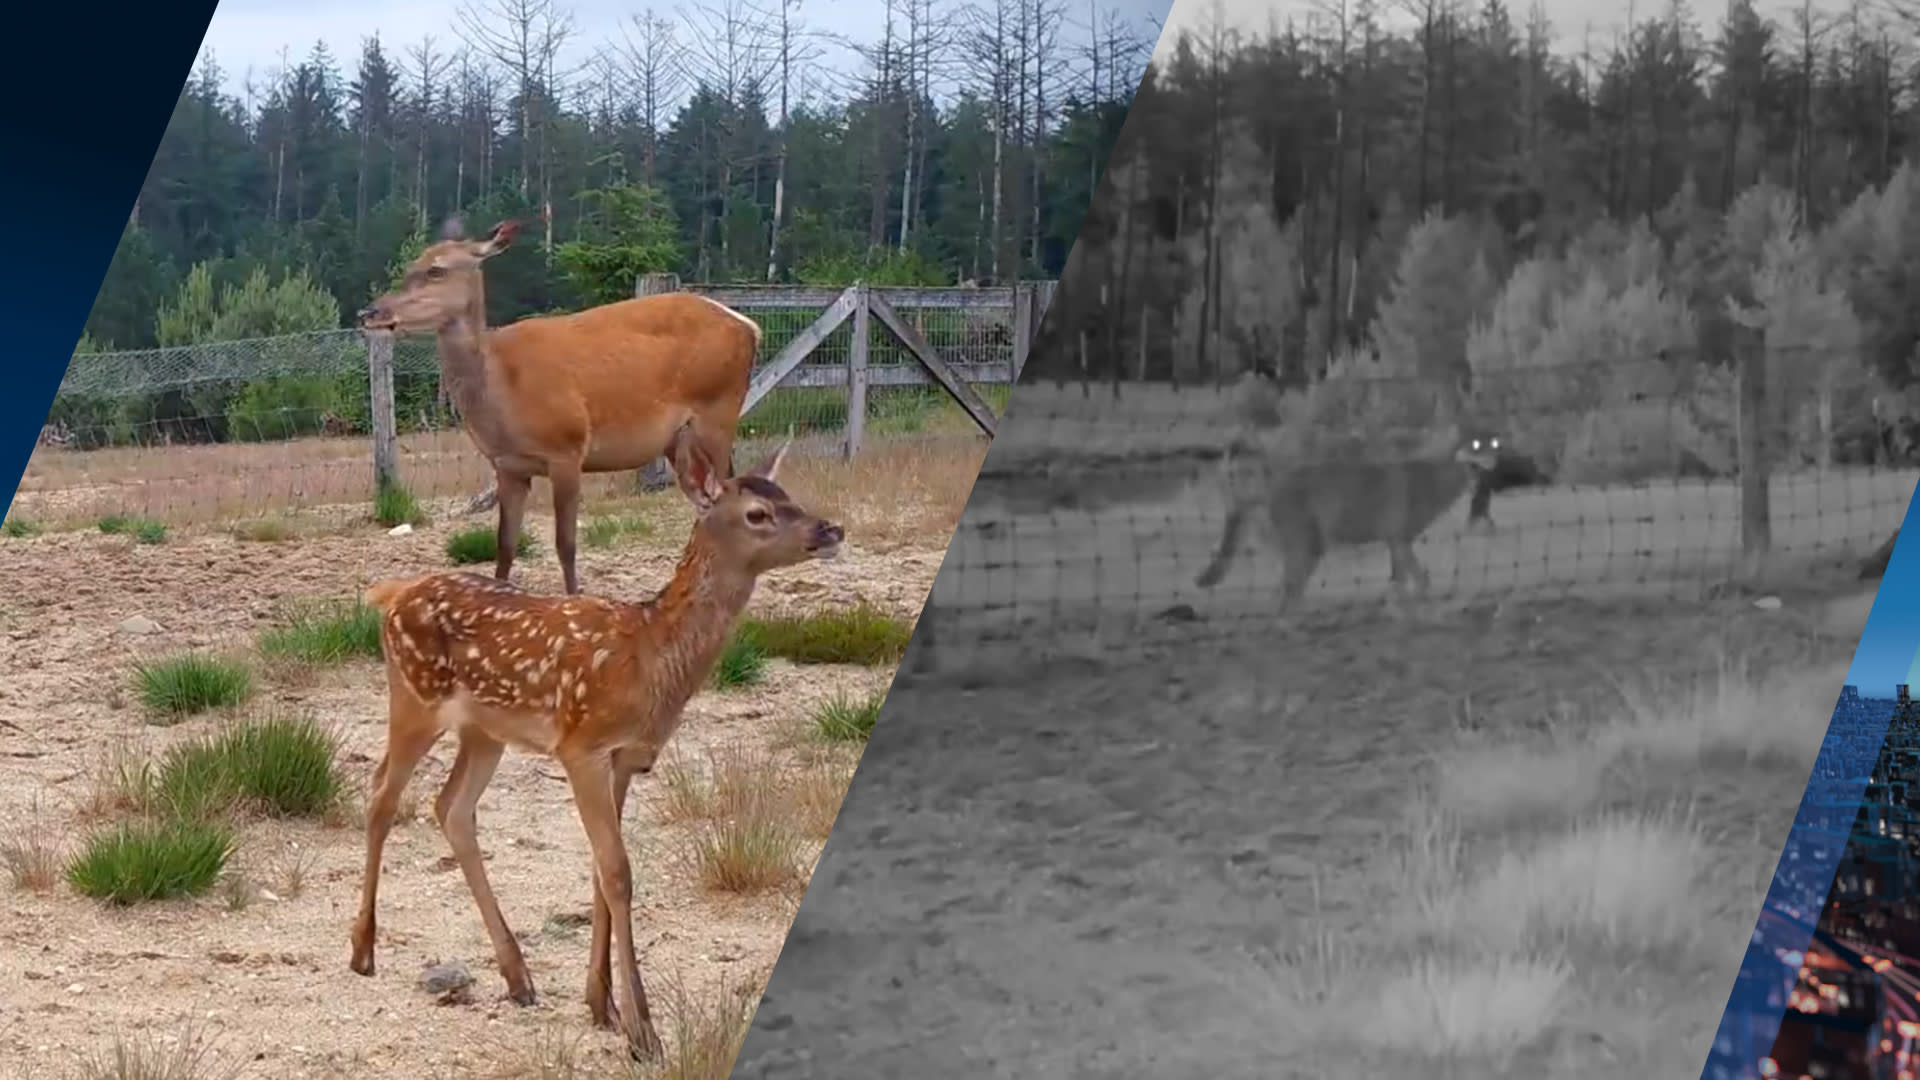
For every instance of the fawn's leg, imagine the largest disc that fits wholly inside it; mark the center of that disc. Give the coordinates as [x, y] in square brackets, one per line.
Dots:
[455, 810]
[513, 490]
[599, 961]
[566, 521]
[410, 734]
[592, 779]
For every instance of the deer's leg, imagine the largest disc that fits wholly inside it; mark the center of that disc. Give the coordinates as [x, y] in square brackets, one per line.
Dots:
[599, 961]
[592, 779]
[566, 521]
[410, 734]
[1229, 546]
[455, 810]
[512, 490]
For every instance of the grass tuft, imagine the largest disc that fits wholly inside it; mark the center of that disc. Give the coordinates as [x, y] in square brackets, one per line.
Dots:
[815, 794]
[30, 853]
[277, 529]
[182, 686]
[189, 1057]
[143, 530]
[860, 635]
[20, 529]
[743, 842]
[1488, 1008]
[329, 633]
[278, 766]
[843, 719]
[151, 860]
[481, 544]
[742, 662]
[607, 530]
[394, 505]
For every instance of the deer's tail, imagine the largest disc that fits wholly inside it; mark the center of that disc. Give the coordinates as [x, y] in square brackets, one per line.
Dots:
[1229, 546]
[384, 594]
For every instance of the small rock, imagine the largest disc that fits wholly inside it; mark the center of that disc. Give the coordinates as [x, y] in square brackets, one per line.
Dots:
[446, 981]
[1768, 603]
[139, 624]
[77, 988]
[401, 529]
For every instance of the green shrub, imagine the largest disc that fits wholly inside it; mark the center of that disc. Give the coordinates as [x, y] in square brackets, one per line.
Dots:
[283, 407]
[845, 720]
[151, 860]
[182, 686]
[279, 766]
[861, 635]
[329, 633]
[20, 529]
[394, 505]
[742, 663]
[481, 544]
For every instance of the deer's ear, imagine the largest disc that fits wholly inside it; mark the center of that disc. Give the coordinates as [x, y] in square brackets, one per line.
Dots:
[769, 469]
[453, 228]
[499, 240]
[699, 480]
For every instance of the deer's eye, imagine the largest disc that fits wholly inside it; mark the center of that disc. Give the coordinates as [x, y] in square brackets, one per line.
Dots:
[758, 516]
[435, 273]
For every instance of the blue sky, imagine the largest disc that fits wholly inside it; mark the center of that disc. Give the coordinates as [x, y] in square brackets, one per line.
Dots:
[251, 33]
[1887, 651]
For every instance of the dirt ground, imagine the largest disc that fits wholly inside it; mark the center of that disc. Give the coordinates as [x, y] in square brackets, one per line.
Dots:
[269, 983]
[1190, 858]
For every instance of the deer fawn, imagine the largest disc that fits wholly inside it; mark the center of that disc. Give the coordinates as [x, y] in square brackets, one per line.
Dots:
[600, 390]
[595, 684]
[1306, 510]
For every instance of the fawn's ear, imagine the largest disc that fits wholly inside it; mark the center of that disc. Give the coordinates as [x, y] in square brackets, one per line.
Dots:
[499, 240]
[699, 480]
[453, 228]
[768, 469]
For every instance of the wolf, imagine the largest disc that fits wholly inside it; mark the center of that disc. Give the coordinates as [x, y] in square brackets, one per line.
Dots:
[1305, 511]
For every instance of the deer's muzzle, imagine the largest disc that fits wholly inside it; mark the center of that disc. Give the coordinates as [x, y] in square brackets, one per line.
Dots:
[825, 542]
[375, 317]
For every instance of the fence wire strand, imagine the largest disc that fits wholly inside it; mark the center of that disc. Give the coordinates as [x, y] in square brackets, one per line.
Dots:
[1100, 504]
[244, 428]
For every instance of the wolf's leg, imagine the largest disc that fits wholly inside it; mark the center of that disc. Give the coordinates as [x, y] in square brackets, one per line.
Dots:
[1480, 510]
[1229, 547]
[1301, 547]
[1407, 569]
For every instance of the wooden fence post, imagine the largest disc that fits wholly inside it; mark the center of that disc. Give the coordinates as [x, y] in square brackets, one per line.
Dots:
[857, 372]
[656, 284]
[386, 431]
[1756, 502]
[1022, 327]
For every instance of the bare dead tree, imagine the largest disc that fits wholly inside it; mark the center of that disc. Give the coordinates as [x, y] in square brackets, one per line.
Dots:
[425, 66]
[656, 64]
[794, 47]
[731, 54]
[522, 36]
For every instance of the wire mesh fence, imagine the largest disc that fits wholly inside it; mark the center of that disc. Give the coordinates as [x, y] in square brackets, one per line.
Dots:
[244, 428]
[1132, 501]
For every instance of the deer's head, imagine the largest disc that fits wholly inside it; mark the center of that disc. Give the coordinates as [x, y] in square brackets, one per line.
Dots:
[442, 284]
[749, 519]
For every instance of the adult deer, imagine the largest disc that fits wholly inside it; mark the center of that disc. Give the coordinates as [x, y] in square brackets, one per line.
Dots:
[596, 684]
[600, 390]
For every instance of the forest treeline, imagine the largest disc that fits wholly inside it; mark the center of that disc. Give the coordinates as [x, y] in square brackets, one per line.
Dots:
[707, 141]
[1580, 238]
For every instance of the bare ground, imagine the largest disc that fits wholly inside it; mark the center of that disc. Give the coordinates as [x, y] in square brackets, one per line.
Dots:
[1195, 855]
[269, 983]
